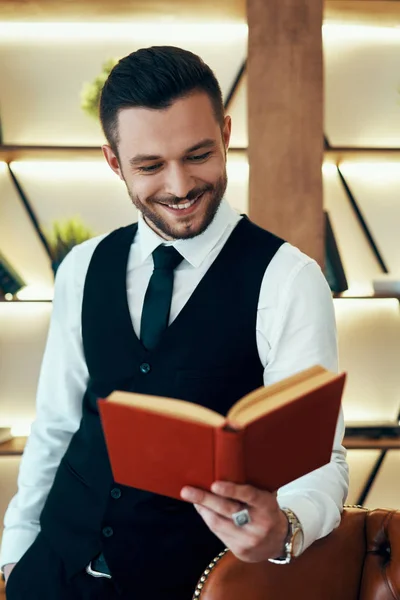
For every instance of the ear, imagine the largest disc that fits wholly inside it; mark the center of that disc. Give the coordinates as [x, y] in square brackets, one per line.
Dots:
[226, 132]
[112, 160]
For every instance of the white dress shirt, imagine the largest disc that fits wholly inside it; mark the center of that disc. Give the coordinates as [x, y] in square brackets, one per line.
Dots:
[295, 330]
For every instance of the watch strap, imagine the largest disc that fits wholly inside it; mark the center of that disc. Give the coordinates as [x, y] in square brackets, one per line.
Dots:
[294, 529]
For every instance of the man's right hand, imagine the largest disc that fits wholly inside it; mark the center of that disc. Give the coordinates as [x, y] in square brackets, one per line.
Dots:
[7, 570]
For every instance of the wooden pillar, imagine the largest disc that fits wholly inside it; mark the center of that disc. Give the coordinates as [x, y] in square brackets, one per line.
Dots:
[285, 120]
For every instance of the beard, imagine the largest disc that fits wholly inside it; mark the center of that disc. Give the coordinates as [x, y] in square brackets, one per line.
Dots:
[213, 195]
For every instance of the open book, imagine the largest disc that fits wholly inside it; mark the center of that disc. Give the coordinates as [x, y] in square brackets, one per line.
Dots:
[269, 437]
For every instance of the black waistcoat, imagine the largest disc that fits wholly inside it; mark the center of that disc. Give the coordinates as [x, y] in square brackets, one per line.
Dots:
[207, 355]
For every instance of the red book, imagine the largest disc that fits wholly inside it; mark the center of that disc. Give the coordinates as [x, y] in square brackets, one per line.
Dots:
[270, 437]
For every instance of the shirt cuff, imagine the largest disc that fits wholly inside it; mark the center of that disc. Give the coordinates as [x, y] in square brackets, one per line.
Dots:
[307, 513]
[15, 543]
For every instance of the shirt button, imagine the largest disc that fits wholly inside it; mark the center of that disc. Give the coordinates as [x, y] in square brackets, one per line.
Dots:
[116, 493]
[108, 532]
[145, 368]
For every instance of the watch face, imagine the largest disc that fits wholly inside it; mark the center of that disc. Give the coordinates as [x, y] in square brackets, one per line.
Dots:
[297, 542]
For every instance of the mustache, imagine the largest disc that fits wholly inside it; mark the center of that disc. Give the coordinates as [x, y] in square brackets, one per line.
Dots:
[194, 193]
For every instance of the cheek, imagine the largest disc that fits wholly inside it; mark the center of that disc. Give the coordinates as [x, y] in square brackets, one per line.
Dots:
[144, 187]
[210, 171]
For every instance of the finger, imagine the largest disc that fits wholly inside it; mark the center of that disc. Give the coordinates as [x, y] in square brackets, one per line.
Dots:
[246, 494]
[237, 540]
[223, 506]
[221, 525]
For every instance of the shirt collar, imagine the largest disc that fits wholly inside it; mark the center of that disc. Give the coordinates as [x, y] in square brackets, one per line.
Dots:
[194, 250]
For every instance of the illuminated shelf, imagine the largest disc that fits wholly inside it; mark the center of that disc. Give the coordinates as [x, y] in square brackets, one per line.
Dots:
[9, 153]
[22, 301]
[358, 443]
[338, 155]
[14, 447]
[371, 297]
[384, 13]
[103, 10]
[373, 12]
[335, 297]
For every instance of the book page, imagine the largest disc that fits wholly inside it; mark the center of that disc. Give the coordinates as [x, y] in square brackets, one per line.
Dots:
[262, 401]
[266, 391]
[169, 406]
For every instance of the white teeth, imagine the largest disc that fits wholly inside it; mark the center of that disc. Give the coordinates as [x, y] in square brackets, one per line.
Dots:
[182, 206]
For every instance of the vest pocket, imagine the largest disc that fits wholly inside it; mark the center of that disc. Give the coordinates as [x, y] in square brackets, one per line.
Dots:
[73, 472]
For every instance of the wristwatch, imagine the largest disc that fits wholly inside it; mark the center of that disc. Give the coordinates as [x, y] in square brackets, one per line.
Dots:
[294, 539]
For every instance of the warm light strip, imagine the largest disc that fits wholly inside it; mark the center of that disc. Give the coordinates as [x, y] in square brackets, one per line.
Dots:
[141, 31]
[329, 168]
[21, 428]
[237, 170]
[36, 292]
[389, 172]
[357, 305]
[351, 33]
[24, 310]
[172, 30]
[51, 170]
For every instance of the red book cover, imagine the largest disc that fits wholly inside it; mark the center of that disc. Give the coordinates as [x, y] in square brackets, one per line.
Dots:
[154, 449]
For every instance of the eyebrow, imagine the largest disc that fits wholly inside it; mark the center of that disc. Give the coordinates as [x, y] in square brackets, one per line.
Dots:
[139, 158]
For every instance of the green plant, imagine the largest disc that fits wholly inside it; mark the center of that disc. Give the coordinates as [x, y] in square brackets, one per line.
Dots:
[10, 280]
[90, 95]
[64, 235]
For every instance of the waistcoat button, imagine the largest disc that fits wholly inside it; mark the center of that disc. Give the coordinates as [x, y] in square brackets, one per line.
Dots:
[108, 531]
[145, 368]
[116, 493]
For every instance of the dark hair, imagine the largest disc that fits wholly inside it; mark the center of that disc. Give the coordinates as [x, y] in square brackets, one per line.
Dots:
[154, 78]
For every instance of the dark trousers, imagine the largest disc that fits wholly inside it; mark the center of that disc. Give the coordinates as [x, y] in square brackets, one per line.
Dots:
[40, 575]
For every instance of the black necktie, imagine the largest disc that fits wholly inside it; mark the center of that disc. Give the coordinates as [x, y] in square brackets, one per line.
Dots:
[157, 301]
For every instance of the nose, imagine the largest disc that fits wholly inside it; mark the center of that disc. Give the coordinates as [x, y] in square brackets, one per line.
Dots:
[178, 181]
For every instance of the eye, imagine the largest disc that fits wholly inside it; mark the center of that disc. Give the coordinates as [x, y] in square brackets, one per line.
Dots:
[149, 169]
[199, 157]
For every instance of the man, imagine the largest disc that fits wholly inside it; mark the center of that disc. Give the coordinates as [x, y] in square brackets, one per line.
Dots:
[194, 302]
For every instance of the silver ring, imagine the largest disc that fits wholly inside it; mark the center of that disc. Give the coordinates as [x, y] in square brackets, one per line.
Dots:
[241, 518]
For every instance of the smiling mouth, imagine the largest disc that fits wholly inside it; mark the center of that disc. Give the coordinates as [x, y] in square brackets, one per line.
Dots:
[183, 205]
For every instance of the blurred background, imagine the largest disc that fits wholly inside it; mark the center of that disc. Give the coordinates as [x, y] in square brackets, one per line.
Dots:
[56, 189]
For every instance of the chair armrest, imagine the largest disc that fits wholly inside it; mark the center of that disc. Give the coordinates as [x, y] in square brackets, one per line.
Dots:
[381, 577]
[331, 569]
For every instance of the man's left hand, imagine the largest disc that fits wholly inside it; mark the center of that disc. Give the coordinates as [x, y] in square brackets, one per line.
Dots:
[257, 541]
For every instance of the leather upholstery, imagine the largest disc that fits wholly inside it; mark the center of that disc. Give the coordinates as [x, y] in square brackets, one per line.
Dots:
[360, 560]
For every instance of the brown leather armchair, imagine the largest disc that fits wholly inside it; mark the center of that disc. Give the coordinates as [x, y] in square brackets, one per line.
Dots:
[360, 560]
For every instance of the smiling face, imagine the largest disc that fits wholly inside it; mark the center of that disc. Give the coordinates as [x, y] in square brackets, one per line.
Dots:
[173, 162]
